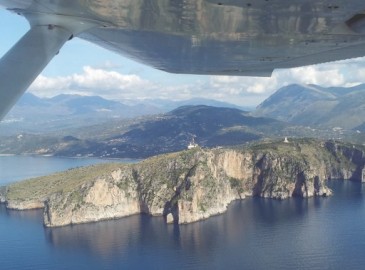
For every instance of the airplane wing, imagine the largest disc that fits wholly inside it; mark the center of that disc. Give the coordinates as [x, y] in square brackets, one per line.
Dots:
[227, 37]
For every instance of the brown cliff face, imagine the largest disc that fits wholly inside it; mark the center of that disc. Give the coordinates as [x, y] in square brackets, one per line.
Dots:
[192, 185]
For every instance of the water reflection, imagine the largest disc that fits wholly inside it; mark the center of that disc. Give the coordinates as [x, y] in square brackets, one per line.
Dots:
[255, 233]
[104, 239]
[349, 189]
[118, 237]
[33, 216]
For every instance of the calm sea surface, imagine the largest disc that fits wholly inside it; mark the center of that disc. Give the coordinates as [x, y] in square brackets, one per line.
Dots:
[316, 233]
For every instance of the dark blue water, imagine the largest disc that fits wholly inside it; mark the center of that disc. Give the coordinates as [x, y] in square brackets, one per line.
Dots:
[315, 233]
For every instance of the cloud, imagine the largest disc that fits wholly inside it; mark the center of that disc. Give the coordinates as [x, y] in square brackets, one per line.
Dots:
[109, 83]
[113, 85]
[93, 81]
[257, 88]
[243, 85]
[254, 90]
[331, 76]
[340, 73]
[93, 78]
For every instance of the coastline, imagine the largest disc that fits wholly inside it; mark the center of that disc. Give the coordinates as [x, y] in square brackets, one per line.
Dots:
[188, 186]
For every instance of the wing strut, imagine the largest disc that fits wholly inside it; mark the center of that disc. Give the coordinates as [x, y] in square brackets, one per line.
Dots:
[26, 59]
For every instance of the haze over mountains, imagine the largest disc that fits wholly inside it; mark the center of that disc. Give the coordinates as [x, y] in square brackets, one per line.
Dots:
[210, 126]
[317, 106]
[35, 114]
[71, 125]
[308, 105]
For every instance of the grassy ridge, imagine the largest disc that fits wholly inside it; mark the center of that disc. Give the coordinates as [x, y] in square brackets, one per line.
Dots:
[158, 170]
[41, 187]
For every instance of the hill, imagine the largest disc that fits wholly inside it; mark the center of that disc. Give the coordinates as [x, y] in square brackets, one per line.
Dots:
[142, 137]
[317, 106]
[33, 114]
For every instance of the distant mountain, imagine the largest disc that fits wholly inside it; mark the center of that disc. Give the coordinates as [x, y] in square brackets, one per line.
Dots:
[73, 105]
[39, 115]
[316, 106]
[31, 100]
[169, 105]
[87, 104]
[210, 126]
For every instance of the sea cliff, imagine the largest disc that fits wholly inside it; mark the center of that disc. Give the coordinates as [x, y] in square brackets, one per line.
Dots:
[190, 185]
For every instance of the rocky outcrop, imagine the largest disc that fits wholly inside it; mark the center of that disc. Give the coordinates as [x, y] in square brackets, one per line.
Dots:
[3, 191]
[101, 199]
[186, 186]
[192, 185]
[24, 204]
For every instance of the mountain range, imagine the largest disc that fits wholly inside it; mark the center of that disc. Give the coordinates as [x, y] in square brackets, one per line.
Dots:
[39, 115]
[142, 137]
[317, 106]
[71, 125]
[308, 105]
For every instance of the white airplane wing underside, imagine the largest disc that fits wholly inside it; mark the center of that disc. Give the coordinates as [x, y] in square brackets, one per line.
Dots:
[228, 37]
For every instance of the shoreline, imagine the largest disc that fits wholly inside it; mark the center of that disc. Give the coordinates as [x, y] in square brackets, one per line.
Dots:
[20, 206]
[187, 186]
[68, 157]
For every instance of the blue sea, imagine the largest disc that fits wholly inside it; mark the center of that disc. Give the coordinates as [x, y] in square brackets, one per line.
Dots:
[255, 233]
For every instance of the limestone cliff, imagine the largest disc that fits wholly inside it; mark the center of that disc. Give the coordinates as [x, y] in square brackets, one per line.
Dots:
[3, 191]
[195, 184]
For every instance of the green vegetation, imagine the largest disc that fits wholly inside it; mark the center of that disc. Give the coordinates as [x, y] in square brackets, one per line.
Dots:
[317, 106]
[41, 187]
[236, 184]
[168, 176]
[145, 137]
[202, 207]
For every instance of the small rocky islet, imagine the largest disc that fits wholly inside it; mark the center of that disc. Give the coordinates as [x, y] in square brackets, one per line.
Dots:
[190, 185]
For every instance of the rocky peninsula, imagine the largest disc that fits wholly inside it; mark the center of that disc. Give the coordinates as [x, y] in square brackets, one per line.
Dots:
[190, 185]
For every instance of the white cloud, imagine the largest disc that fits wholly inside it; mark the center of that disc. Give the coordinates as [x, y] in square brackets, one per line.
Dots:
[243, 85]
[93, 78]
[43, 83]
[252, 89]
[313, 75]
[92, 81]
[111, 84]
[257, 88]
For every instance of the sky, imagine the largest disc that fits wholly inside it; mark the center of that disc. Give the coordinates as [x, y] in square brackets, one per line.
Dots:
[86, 69]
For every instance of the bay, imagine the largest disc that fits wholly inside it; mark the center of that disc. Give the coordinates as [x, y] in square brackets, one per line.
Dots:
[255, 233]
